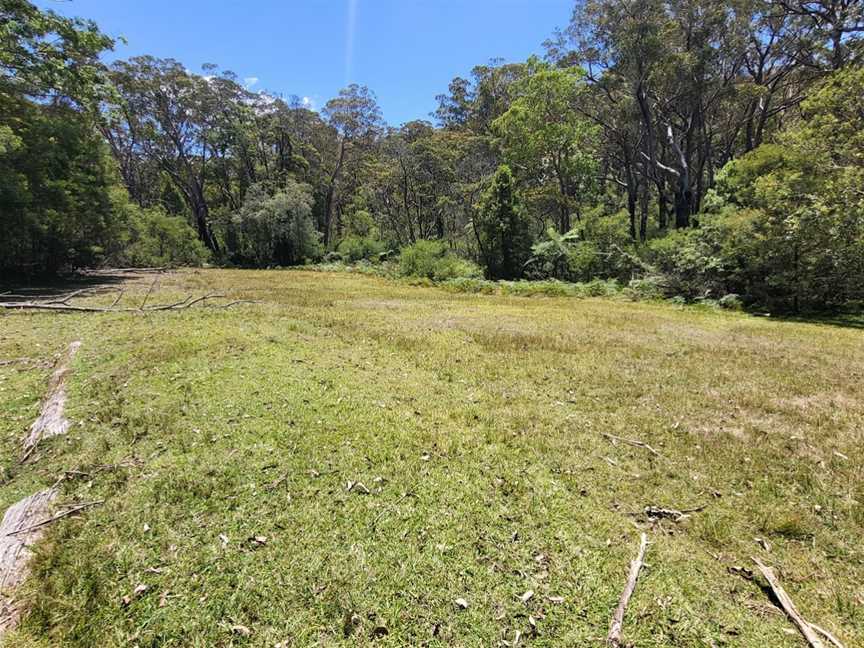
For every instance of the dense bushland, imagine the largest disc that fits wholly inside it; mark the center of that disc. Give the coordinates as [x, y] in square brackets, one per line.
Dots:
[702, 149]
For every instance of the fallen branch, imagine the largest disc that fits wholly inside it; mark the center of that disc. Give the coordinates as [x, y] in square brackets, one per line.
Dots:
[236, 302]
[147, 296]
[61, 306]
[811, 632]
[278, 482]
[57, 516]
[613, 640]
[6, 363]
[633, 442]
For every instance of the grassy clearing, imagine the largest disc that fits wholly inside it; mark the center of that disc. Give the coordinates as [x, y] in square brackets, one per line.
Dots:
[476, 423]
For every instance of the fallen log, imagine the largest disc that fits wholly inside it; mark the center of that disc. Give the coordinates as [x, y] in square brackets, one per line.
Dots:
[52, 420]
[17, 533]
[63, 305]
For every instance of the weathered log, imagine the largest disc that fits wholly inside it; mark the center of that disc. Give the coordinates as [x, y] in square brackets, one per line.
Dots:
[17, 533]
[52, 420]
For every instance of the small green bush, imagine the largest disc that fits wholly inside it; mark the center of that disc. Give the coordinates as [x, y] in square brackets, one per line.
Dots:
[432, 260]
[470, 285]
[652, 287]
[731, 302]
[599, 288]
[549, 288]
[359, 248]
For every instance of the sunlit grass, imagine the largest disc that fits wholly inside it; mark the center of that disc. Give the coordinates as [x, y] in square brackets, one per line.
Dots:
[475, 422]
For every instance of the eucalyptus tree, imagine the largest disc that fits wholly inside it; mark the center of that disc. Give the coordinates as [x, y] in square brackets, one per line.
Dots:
[549, 143]
[356, 119]
[163, 114]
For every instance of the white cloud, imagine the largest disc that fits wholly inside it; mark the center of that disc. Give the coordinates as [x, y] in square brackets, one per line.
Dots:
[249, 82]
[308, 102]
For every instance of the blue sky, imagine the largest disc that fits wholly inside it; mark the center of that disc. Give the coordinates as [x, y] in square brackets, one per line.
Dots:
[407, 51]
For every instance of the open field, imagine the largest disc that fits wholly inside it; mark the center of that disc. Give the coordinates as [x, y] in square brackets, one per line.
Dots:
[476, 424]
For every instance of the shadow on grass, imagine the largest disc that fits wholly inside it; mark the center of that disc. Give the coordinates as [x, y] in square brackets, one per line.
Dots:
[844, 320]
[25, 288]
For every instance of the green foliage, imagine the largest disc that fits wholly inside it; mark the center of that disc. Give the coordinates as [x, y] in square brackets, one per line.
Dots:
[55, 191]
[502, 228]
[159, 239]
[44, 54]
[548, 140]
[787, 223]
[276, 229]
[359, 248]
[646, 289]
[598, 247]
[432, 260]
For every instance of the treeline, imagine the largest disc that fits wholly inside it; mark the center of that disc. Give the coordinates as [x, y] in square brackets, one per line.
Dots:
[701, 149]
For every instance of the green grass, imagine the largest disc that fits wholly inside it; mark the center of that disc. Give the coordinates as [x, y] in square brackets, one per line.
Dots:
[475, 421]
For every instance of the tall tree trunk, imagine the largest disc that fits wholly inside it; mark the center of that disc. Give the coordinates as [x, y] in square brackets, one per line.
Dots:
[331, 195]
[201, 212]
[643, 216]
[632, 191]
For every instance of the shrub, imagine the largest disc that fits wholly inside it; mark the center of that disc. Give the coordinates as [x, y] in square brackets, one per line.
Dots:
[432, 260]
[599, 288]
[651, 287]
[157, 239]
[357, 248]
[277, 229]
[598, 247]
[503, 229]
[731, 302]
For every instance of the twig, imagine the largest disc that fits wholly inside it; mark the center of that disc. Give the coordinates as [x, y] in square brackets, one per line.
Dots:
[236, 302]
[613, 640]
[119, 297]
[632, 442]
[4, 363]
[58, 516]
[147, 296]
[810, 632]
[387, 509]
[206, 297]
[830, 637]
[657, 512]
[278, 482]
[160, 307]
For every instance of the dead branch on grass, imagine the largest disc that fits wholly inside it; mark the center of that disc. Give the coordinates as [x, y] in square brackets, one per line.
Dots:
[659, 512]
[810, 631]
[613, 640]
[63, 303]
[72, 510]
[15, 553]
[633, 442]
